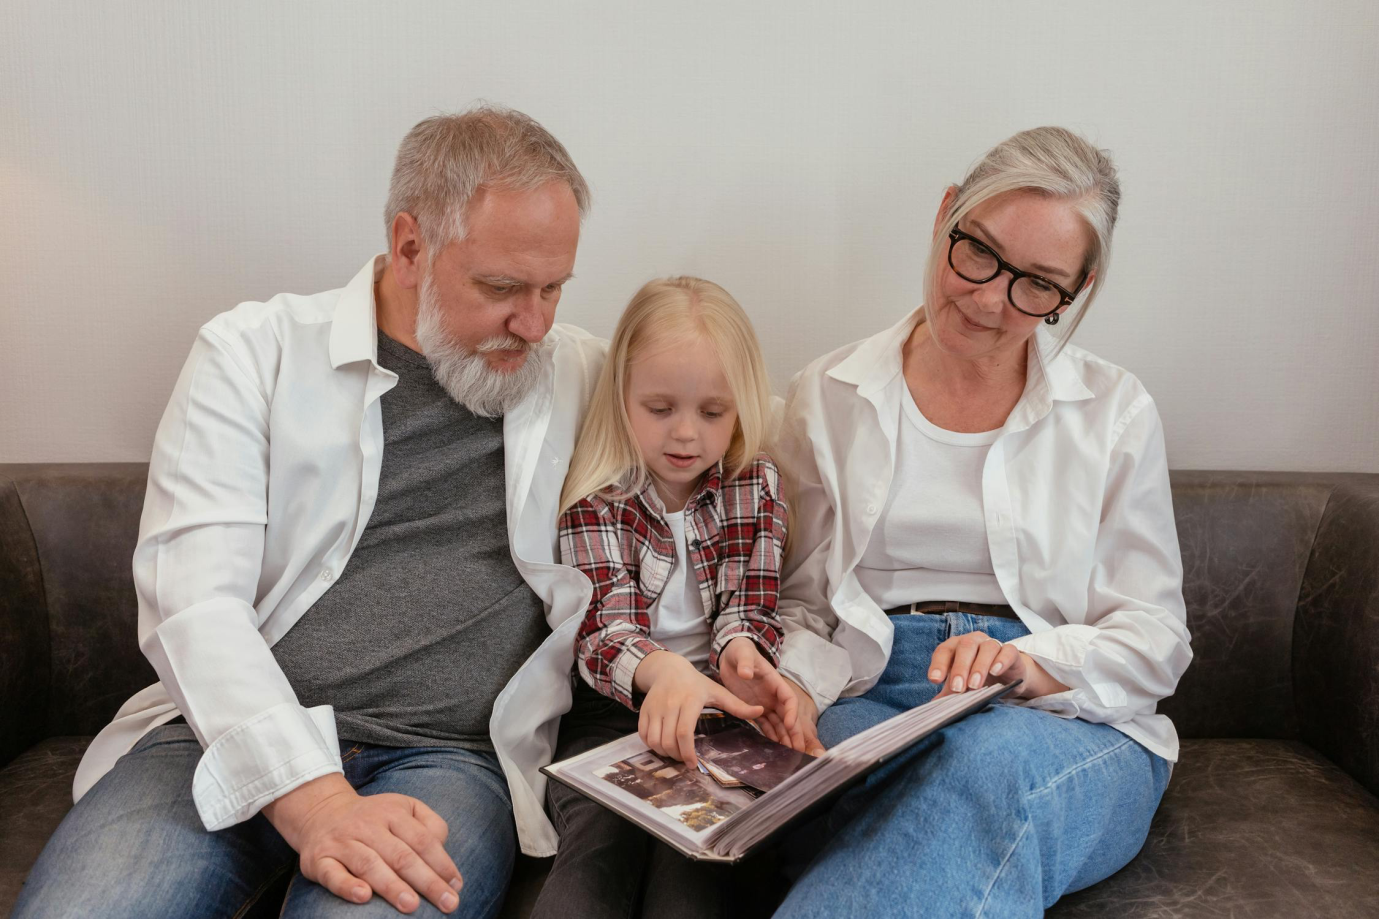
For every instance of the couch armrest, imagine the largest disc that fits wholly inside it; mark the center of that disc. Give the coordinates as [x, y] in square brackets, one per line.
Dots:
[24, 649]
[1336, 633]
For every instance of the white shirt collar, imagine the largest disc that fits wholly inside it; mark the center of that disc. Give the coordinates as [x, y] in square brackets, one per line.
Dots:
[1050, 375]
[354, 330]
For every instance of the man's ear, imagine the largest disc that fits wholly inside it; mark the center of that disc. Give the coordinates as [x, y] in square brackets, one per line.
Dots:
[408, 251]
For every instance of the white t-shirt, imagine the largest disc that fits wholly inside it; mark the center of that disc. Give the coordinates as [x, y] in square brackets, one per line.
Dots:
[677, 615]
[930, 540]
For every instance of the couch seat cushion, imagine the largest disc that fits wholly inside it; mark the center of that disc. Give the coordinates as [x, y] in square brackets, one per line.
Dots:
[1249, 828]
[37, 790]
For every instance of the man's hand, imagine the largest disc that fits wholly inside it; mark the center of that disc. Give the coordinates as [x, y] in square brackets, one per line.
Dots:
[969, 661]
[358, 845]
[676, 693]
[750, 677]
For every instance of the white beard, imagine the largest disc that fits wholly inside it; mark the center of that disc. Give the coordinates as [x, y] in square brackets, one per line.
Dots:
[465, 374]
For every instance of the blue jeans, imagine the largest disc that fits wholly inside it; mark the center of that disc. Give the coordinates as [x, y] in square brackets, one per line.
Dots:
[135, 847]
[997, 815]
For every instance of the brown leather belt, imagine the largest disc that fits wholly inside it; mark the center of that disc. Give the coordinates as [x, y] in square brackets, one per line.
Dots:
[954, 606]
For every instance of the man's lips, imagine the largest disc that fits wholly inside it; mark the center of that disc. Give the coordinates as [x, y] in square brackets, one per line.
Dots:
[680, 460]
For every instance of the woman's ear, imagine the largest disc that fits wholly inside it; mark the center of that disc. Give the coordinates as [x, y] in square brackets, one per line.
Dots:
[945, 207]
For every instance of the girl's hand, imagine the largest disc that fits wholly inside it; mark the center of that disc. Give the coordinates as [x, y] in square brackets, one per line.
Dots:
[750, 677]
[971, 661]
[675, 695]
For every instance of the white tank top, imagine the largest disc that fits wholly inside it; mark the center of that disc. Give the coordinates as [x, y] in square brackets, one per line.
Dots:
[930, 540]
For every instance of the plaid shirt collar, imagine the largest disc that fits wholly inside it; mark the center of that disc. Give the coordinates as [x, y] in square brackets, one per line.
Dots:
[709, 492]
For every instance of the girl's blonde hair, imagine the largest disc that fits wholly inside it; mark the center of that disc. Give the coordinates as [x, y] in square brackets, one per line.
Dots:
[663, 312]
[1049, 161]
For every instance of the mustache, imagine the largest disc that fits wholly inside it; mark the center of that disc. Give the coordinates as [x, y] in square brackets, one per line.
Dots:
[503, 343]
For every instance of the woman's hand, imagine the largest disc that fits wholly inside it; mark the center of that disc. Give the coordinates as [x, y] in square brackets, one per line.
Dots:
[750, 677]
[970, 661]
[676, 693]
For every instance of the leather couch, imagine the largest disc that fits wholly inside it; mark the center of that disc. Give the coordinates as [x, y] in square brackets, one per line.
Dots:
[1272, 810]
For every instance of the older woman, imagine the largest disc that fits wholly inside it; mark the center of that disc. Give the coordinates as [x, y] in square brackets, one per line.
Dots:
[979, 501]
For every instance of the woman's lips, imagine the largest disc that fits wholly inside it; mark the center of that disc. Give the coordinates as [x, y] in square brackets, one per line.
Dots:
[680, 461]
[974, 326]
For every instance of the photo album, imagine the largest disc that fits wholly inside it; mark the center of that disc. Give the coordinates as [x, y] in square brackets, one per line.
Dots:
[746, 787]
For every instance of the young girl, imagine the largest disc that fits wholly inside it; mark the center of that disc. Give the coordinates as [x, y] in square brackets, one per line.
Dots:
[677, 518]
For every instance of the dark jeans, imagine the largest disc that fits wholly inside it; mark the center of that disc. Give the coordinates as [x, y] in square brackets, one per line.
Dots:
[606, 866]
[134, 846]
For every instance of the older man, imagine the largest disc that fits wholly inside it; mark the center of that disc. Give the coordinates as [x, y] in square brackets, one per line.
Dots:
[345, 559]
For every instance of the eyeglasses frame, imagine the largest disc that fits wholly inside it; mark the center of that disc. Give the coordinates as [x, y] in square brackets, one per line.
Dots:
[1066, 297]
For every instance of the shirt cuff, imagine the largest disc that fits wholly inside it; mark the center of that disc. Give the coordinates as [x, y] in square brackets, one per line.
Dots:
[1063, 651]
[740, 629]
[634, 651]
[818, 665]
[262, 759]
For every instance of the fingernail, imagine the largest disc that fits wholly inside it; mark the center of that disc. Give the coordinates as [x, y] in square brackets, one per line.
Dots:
[957, 684]
[976, 680]
[360, 894]
[997, 668]
[935, 675]
[407, 901]
[449, 902]
[456, 884]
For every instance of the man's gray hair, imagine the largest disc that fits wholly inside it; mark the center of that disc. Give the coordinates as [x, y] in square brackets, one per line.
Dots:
[445, 159]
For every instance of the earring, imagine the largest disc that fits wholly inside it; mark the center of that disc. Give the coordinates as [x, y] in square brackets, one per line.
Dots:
[1051, 319]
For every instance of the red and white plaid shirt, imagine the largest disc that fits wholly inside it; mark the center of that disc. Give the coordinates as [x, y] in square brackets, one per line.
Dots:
[736, 535]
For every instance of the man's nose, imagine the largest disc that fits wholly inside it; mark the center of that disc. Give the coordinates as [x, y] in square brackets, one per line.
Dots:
[531, 319]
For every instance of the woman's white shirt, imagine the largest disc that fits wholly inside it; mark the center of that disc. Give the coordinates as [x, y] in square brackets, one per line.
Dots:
[677, 615]
[930, 541]
[1079, 526]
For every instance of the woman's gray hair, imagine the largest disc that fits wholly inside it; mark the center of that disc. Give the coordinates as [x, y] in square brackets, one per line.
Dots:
[445, 159]
[1050, 161]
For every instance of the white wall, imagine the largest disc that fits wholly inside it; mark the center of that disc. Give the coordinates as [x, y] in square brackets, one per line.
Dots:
[161, 162]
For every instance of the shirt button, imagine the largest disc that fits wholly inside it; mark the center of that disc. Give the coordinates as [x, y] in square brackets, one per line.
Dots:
[694, 544]
[326, 574]
[871, 508]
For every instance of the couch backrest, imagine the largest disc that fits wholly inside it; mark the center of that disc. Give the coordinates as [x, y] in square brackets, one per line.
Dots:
[74, 528]
[69, 655]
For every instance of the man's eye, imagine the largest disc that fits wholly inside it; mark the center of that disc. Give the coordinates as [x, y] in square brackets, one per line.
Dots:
[499, 289]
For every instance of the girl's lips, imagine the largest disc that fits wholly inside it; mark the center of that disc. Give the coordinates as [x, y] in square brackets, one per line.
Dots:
[680, 462]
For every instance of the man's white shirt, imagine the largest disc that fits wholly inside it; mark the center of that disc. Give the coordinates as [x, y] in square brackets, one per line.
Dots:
[1079, 523]
[263, 476]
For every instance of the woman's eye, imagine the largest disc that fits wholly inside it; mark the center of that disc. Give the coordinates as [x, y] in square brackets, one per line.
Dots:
[1039, 284]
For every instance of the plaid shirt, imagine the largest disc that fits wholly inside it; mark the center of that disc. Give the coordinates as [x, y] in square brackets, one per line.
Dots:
[736, 534]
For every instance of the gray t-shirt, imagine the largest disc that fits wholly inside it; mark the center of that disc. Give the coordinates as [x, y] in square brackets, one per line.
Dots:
[430, 617]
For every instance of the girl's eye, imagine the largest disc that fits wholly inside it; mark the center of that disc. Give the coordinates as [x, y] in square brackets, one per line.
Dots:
[713, 414]
[659, 411]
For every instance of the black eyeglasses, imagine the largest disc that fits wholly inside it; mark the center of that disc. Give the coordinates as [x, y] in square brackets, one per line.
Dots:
[1031, 294]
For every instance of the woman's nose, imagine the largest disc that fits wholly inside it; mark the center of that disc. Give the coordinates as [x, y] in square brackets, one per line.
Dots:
[991, 296]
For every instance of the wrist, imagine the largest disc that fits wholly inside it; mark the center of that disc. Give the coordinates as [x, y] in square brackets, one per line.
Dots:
[1037, 681]
[291, 812]
[653, 667]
